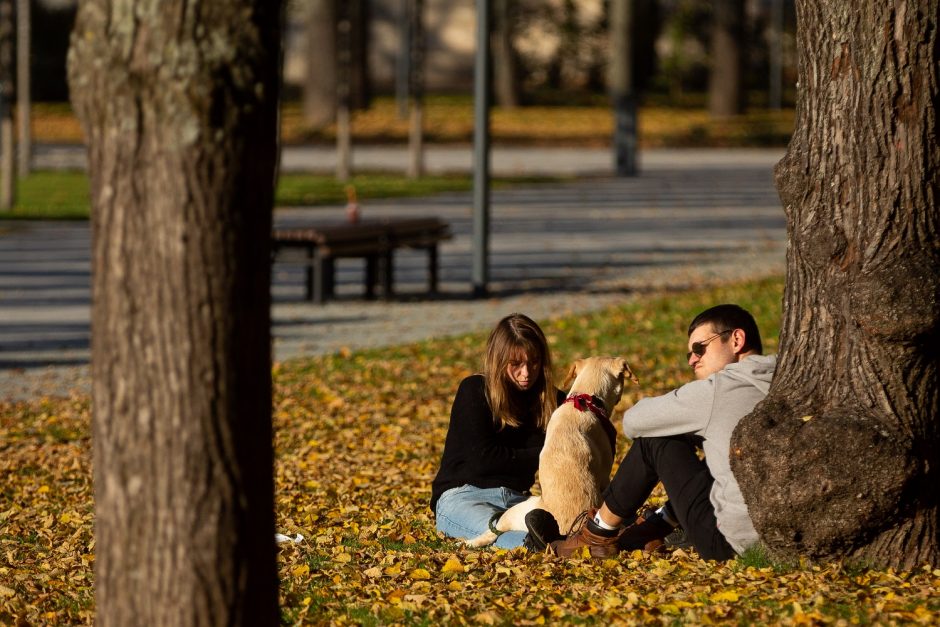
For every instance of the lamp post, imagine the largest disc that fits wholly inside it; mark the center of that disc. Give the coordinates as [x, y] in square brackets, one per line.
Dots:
[481, 151]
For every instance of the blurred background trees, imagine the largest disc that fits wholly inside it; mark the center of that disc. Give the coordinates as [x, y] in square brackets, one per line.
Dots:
[717, 55]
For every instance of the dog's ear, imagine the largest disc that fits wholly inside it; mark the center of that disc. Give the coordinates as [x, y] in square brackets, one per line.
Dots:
[572, 373]
[625, 370]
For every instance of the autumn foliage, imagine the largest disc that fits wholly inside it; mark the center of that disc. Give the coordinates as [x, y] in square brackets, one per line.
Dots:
[358, 439]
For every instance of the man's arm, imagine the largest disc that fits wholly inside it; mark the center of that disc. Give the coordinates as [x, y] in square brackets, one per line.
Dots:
[685, 410]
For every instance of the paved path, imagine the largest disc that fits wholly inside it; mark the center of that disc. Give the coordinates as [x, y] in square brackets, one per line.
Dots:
[691, 218]
[439, 159]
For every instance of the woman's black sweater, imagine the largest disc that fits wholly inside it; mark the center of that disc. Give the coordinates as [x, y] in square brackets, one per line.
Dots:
[476, 453]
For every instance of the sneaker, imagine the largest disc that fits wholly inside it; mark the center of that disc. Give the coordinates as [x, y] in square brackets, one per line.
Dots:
[600, 543]
[646, 534]
[678, 539]
[543, 529]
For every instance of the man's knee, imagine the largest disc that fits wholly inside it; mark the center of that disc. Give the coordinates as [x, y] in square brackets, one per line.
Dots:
[656, 450]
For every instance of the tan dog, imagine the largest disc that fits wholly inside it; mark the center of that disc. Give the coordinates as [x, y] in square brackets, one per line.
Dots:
[575, 462]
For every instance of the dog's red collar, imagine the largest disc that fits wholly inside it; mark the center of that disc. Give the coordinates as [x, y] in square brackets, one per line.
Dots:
[586, 402]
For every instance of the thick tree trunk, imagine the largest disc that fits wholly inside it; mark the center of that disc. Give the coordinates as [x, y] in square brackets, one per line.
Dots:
[179, 105]
[842, 457]
[319, 90]
[726, 92]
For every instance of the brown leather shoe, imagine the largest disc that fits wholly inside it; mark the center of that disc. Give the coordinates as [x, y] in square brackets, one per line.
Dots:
[599, 546]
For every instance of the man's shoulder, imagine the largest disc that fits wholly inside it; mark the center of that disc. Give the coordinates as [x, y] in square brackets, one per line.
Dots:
[755, 370]
[756, 364]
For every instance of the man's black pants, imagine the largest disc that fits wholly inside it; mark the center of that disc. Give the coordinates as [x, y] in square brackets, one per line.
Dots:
[687, 481]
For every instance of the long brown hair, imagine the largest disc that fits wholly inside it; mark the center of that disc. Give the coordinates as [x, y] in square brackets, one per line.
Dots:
[517, 332]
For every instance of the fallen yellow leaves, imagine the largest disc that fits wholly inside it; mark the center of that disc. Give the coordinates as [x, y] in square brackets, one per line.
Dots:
[725, 596]
[353, 478]
[452, 565]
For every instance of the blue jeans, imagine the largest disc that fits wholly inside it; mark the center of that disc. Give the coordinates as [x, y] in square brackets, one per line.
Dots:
[465, 512]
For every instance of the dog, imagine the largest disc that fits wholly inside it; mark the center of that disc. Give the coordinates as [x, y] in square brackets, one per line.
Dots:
[578, 454]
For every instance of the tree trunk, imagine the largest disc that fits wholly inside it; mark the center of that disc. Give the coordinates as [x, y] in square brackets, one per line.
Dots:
[416, 87]
[842, 456]
[319, 90]
[178, 100]
[622, 94]
[360, 79]
[7, 163]
[345, 24]
[505, 64]
[726, 94]
[23, 91]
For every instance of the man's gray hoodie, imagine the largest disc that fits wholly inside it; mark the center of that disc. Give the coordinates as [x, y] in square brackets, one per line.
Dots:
[711, 408]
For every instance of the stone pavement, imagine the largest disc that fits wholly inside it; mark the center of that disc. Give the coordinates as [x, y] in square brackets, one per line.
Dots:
[440, 159]
[691, 218]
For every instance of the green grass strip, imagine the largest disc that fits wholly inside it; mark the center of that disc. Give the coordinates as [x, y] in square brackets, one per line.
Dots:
[48, 195]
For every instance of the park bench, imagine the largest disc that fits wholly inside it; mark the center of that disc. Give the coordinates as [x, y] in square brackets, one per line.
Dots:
[374, 240]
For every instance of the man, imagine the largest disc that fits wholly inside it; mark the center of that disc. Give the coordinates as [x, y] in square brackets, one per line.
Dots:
[732, 376]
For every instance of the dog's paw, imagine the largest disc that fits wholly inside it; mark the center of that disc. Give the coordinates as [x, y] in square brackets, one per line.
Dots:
[484, 539]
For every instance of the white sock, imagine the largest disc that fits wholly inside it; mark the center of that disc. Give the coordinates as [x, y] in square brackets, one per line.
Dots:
[600, 523]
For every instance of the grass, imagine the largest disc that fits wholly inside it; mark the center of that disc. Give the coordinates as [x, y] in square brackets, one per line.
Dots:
[295, 190]
[51, 195]
[65, 195]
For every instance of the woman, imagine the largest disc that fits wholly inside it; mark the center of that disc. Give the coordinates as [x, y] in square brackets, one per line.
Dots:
[497, 428]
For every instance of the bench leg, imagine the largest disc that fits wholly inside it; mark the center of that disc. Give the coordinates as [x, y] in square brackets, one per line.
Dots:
[322, 286]
[310, 279]
[432, 269]
[387, 273]
[372, 275]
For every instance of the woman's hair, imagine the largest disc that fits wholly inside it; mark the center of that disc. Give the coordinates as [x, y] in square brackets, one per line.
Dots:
[514, 333]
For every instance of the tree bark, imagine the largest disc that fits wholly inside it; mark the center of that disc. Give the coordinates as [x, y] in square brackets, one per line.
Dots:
[842, 456]
[178, 100]
[319, 89]
[726, 94]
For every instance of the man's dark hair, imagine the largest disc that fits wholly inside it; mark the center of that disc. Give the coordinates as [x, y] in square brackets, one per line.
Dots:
[726, 317]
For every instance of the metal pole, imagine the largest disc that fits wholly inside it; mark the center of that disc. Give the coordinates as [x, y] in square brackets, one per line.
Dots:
[481, 151]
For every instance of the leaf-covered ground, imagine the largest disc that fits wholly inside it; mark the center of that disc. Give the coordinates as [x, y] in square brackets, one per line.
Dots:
[449, 119]
[358, 438]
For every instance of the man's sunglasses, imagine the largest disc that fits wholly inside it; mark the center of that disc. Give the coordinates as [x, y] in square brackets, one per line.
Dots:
[698, 348]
